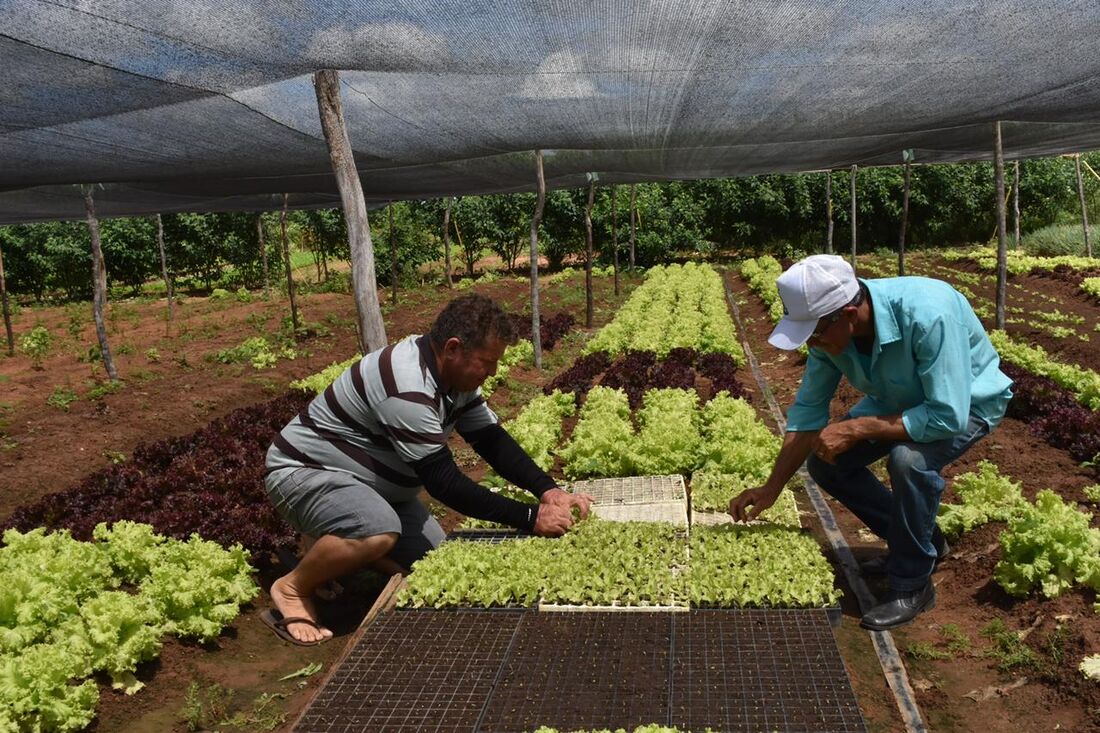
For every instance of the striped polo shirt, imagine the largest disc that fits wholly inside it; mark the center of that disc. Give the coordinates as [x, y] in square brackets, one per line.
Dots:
[382, 414]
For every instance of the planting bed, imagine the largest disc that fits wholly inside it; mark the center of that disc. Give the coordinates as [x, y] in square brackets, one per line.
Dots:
[505, 671]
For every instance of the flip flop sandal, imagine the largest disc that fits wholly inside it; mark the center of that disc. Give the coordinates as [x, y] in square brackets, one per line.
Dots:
[278, 624]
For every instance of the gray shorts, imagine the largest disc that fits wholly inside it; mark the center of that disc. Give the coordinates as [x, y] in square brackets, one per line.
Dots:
[317, 502]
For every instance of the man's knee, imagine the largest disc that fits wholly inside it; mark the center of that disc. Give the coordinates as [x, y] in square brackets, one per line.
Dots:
[824, 474]
[374, 546]
[904, 459]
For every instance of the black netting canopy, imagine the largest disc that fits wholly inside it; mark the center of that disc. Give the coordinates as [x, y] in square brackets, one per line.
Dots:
[204, 105]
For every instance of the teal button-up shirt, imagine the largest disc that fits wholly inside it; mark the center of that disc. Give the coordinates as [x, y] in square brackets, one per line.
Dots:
[931, 361]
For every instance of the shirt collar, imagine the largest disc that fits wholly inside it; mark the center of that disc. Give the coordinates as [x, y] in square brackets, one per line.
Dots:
[427, 361]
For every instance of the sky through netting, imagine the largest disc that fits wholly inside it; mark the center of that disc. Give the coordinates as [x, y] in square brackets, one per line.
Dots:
[198, 105]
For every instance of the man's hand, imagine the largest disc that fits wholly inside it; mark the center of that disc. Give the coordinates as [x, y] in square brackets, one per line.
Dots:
[552, 520]
[837, 438]
[559, 497]
[759, 498]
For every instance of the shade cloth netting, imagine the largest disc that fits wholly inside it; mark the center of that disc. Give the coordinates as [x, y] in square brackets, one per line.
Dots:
[208, 105]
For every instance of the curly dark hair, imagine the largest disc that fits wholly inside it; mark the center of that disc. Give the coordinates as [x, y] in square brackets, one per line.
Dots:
[472, 319]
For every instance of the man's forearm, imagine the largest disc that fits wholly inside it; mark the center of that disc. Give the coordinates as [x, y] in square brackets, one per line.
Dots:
[796, 447]
[879, 427]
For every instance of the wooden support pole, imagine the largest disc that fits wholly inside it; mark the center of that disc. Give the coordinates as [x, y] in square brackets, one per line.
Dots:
[536, 219]
[1084, 209]
[828, 212]
[6, 308]
[372, 331]
[904, 222]
[447, 242]
[99, 285]
[164, 273]
[1016, 202]
[263, 254]
[855, 170]
[289, 268]
[615, 237]
[633, 220]
[1002, 247]
[588, 309]
[393, 258]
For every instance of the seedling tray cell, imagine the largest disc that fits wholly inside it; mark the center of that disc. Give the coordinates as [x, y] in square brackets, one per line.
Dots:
[584, 671]
[416, 671]
[760, 670]
[633, 489]
[672, 512]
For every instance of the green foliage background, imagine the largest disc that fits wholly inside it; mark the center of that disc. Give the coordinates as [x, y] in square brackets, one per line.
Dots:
[777, 214]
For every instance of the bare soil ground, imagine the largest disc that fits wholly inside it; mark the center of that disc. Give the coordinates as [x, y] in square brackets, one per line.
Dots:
[177, 390]
[965, 690]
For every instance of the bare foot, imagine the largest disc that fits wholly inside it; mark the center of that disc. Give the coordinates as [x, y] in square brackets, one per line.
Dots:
[290, 604]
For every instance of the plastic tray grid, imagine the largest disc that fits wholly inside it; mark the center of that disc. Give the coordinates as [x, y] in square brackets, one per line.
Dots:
[760, 670]
[633, 489]
[584, 672]
[672, 512]
[416, 671]
[492, 536]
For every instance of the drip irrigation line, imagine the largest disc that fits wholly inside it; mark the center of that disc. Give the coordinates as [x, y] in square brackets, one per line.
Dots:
[883, 641]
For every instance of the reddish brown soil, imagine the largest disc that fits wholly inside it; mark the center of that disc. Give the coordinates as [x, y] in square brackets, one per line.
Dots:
[1055, 695]
[45, 449]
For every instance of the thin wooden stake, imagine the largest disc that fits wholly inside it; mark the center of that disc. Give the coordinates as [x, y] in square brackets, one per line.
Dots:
[855, 170]
[536, 219]
[447, 242]
[828, 212]
[588, 309]
[393, 259]
[1002, 246]
[904, 222]
[372, 331]
[1084, 209]
[1016, 202]
[164, 273]
[289, 270]
[615, 236]
[6, 308]
[99, 285]
[263, 254]
[633, 220]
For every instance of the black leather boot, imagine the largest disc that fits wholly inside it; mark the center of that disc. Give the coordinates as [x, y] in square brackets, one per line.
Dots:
[900, 608]
[877, 565]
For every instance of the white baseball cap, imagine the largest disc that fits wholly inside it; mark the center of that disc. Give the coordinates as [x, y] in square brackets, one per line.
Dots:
[810, 289]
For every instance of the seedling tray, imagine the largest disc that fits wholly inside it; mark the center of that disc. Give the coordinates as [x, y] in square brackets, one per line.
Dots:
[416, 671]
[760, 670]
[633, 489]
[584, 672]
[733, 670]
[492, 536]
[672, 512]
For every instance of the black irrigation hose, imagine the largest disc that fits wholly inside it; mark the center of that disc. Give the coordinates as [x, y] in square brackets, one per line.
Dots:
[883, 641]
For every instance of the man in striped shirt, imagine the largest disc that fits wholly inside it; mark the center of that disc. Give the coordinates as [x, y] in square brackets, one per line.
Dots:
[347, 470]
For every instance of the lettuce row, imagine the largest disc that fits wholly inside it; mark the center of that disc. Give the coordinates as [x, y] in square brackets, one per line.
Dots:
[677, 306]
[1084, 383]
[631, 564]
[676, 436]
[69, 609]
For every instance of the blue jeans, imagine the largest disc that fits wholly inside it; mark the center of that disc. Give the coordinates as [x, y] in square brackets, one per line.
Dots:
[906, 516]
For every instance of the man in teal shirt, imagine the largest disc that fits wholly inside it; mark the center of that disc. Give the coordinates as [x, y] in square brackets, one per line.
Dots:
[932, 387]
